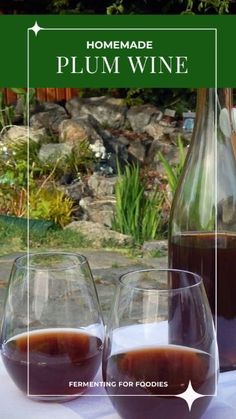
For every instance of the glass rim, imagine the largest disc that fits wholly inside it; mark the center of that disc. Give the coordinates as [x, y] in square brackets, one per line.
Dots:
[81, 260]
[127, 285]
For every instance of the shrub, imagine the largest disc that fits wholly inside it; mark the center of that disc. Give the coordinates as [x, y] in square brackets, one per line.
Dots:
[50, 203]
[81, 159]
[136, 213]
[118, 6]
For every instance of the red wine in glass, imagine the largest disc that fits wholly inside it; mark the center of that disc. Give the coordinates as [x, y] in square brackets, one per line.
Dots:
[56, 358]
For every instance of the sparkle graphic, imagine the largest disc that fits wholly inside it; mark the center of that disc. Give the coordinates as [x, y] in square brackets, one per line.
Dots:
[36, 28]
[190, 395]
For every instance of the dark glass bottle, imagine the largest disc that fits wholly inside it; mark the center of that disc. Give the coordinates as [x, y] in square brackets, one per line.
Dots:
[202, 235]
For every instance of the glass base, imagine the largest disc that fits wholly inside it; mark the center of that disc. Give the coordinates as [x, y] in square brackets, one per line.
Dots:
[54, 399]
[227, 368]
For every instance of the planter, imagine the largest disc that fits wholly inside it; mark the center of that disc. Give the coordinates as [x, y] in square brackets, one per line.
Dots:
[34, 225]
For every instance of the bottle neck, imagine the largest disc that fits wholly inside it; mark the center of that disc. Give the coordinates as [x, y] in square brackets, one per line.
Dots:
[214, 97]
[214, 113]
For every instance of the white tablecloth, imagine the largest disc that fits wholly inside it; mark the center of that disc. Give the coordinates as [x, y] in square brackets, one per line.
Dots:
[14, 405]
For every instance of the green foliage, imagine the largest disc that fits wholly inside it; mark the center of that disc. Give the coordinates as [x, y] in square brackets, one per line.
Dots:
[173, 173]
[134, 97]
[50, 203]
[46, 201]
[81, 159]
[151, 219]
[13, 237]
[118, 6]
[58, 5]
[13, 177]
[178, 99]
[13, 200]
[207, 6]
[15, 166]
[20, 158]
[14, 162]
[136, 213]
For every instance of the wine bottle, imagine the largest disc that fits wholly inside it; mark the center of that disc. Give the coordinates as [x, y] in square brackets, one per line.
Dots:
[202, 233]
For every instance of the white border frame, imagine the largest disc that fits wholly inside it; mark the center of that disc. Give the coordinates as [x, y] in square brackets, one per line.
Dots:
[36, 28]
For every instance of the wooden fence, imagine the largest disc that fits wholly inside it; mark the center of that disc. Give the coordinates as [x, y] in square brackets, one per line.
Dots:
[47, 94]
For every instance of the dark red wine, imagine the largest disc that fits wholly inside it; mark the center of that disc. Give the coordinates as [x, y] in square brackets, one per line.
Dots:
[56, 357]
[171, 367]
[195, 252]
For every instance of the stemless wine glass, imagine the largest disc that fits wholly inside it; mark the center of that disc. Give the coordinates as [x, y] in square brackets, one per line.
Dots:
[160, 357]
[52, 330]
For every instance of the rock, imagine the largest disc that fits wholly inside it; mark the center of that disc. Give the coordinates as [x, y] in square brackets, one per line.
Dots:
[71, 132]
[140, 116]
[176, 133]
[16, 133]
[101, 185]
[76, 190]
[99, 210]
[50, 118]
[170, 131]
[104, 168]
[156, 245]
[98, 234]
[52, 106]
[152, 154]
[169, 151]
[114, 150]
[171, 135]
[91, 126]
[52, 152]
[108, 111]
[67, 177]
[137, 151]
[81, 128]
[123, 140]
[20, 109]
[155, 130]
[187, 137]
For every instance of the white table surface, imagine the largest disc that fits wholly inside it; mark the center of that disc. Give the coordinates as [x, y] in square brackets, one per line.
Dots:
[14, 405]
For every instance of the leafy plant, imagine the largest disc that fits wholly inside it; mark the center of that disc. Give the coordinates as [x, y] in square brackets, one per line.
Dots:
[218, 6]
[13, 181]
[79, 161]
[13, 201]
[19, 159]
[134, 97]
[173, 173]
[15, 162]
[112, 6]
[17, 168]
[152, 216]
[116, 8]
[50, 203]
[136, 213]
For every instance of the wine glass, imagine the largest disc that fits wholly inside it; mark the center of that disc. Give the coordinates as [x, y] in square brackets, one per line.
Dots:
[160, 356]
[52, 330]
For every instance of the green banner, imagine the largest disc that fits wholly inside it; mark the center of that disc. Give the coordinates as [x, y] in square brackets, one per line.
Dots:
[117, 51]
